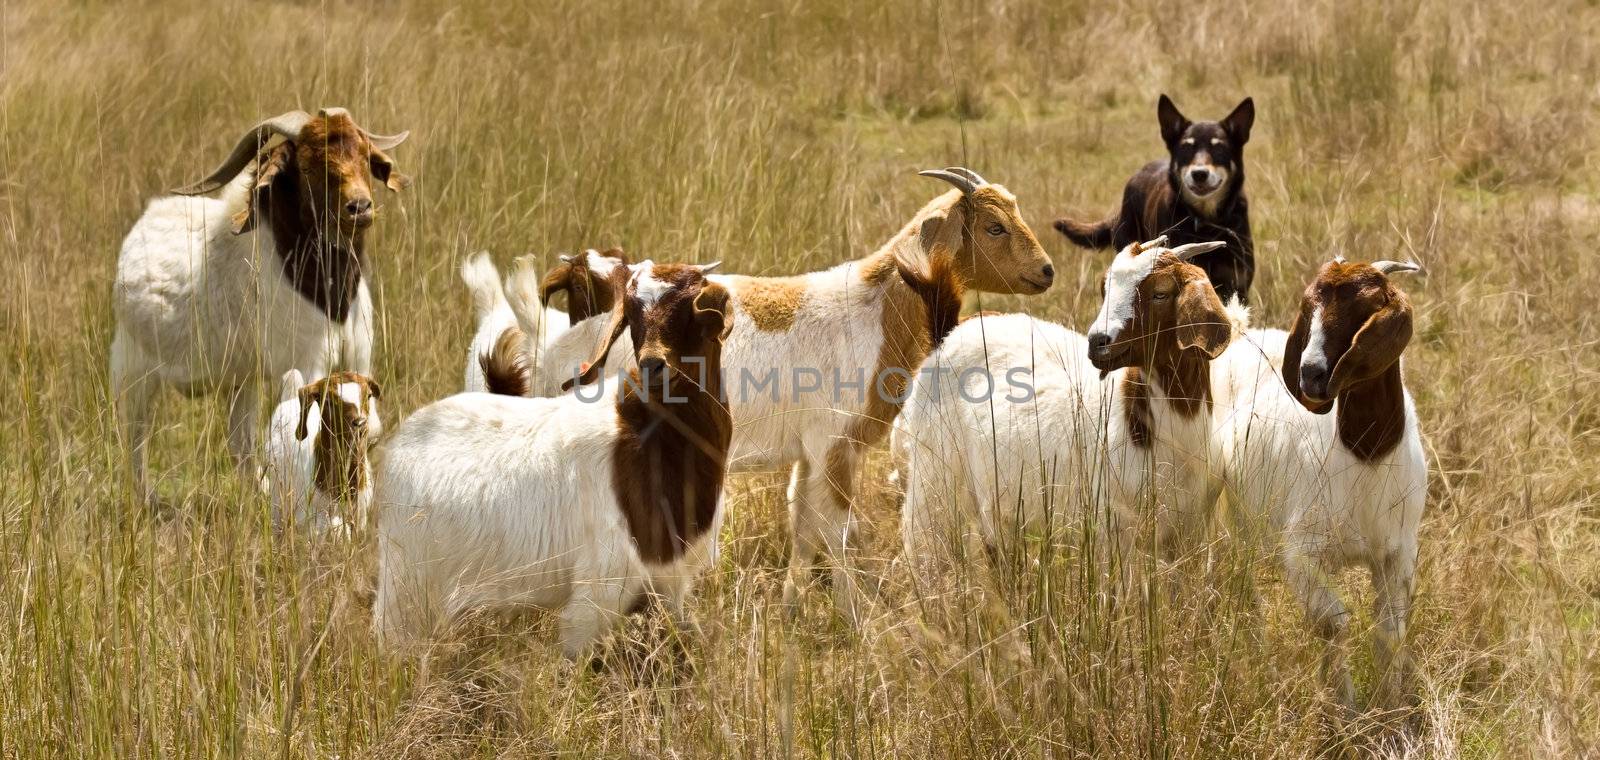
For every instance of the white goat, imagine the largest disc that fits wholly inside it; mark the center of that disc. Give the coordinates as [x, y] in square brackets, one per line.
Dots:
[818, 363]
[500, 341]
[224, 293]
[316, 452]
[490, 501]
[1340, 490]
[1010, 425]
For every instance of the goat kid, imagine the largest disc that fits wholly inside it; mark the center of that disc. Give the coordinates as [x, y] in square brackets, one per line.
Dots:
[222, 293]
[1063, 439]
[316, 456]
[1333, 490]
[583, 506]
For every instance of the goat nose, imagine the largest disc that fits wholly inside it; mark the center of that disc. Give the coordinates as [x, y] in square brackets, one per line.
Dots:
[652, 367]
[1099, 343]
[1314, 380]
[358, 206]
[1049, 273]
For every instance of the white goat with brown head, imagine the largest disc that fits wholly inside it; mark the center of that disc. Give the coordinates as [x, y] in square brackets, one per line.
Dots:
[316, 454]
[223, 293]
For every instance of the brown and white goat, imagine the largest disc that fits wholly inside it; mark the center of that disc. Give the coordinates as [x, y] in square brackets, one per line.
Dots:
[223, 293]
[580, 504]
[317, 450]
[818, 364]
[1336, 490]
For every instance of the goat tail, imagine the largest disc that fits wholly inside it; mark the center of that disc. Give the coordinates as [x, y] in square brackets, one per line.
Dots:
[1088, 234]
[522, 293]
[483, 281]
[505, 367]
[289, 387]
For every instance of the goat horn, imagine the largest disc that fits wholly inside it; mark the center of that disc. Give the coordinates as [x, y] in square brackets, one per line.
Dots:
[386, 142]
[566, 258]
[1186, 252]
[1138, 248]
[960, 181]
[1338, 258]
[1390, 267]
[288, 125]
[969, 174]
[709, 268]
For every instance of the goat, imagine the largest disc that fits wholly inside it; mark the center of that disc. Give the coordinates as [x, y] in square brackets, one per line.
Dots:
[220, 293]
[1334, 490]
[1141, 438]
[863, 326]
[505, 360]
[316, 451]
[499, 347]
[583, 505]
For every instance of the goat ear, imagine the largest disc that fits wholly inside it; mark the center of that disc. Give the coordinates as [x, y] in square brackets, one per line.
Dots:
[712, 310]
[1377, 345]
[1237, 124]
[559, 278]
[373, 388]
[383, 170]
[269, 165]
[616, 253]
[597, 363]
[1202, 322]
[1292, 350]
[1173, 122]
[308, 394]
[944, 228]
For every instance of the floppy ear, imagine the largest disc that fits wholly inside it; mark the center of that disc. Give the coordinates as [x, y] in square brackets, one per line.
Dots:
[383, 170]
[1173, 122]
[713, 312]
[559, 278]
[373, 388]
[1291, 363]
[946, 228]
[1238, 123]
[592, 368]
[269, 165]
[1202, 322]
[308, 394]
[1377, 345]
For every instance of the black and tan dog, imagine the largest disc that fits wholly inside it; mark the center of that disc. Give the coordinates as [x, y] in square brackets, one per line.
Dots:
[1196, 195]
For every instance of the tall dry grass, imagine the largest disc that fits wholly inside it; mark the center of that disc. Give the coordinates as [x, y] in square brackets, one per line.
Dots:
[782, 136]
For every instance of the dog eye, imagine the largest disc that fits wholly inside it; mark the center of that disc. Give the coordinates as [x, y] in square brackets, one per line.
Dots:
[997, 229]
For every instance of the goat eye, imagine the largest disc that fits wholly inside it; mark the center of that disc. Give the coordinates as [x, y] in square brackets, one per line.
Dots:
[1161, 296]
[997, 229]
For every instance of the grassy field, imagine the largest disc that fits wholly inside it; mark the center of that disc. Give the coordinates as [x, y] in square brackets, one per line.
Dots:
[781, 137]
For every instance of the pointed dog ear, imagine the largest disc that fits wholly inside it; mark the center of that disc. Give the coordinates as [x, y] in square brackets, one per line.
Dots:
[1173, 122]
[1292, 350]
[1377, 345]
[269, 165]
[1237, 124]
[713, 311]
[1202, 322]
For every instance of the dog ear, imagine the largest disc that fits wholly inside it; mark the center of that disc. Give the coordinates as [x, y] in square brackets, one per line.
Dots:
[1291, 362]
[1238, 123]
[1377, 345]
[1202, 322]
[1173, 122]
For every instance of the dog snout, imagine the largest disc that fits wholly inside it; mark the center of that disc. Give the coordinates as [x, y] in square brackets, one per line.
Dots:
[1200, 176]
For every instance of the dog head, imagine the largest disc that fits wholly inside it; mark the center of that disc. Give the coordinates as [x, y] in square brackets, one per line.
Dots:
[1207, 156]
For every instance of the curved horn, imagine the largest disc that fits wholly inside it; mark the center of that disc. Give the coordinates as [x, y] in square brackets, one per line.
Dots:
[709, 268]
[385, 142]
[287, 124]
[1390, 267]
[1338, 258]
[1138, 248]
[1186, 252]
[969, 174]
[960, 181]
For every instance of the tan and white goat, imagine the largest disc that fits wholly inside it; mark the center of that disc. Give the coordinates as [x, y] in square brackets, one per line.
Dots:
[818, 364]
